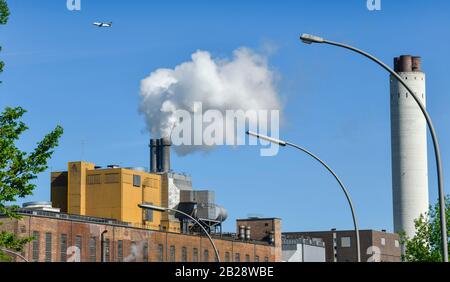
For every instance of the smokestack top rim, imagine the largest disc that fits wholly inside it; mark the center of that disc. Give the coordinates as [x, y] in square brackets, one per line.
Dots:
[407, 63]
[165, 141]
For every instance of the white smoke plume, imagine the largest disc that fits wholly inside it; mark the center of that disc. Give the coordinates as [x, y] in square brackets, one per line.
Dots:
[244, 82]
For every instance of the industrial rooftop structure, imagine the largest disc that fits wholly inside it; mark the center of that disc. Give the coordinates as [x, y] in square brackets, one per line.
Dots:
[115, 192]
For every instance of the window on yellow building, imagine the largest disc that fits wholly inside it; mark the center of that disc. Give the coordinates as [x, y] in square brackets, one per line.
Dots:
[136, 180]
[148, 214]
[93, 179]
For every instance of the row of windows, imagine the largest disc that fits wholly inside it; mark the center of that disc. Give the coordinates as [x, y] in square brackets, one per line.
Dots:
[93, 179]
[77, 252]
[346, 242]
[206, 255]
[48, 247]
[63, 250]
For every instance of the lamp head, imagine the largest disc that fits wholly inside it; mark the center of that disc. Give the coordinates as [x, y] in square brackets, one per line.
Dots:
[267, 138]
[152, 207]
[309, 38]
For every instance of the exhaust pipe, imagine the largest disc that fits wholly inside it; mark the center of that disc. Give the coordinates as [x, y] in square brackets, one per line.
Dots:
[153, 155]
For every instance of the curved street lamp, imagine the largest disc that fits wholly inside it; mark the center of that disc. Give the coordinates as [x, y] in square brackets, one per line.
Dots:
[309, 39]
[163, 209]
[347, 195]
[14, 254]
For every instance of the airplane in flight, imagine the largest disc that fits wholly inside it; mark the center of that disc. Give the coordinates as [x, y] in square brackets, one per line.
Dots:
[100, 24]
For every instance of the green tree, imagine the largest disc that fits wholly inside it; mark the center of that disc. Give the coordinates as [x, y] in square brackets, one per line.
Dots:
[4, 15]
[4, 12]
[18, 168]
[425, 246]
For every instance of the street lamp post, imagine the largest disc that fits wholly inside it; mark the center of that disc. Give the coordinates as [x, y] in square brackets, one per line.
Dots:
[309, 39]
[163, 209]
[14, 254]
[341, 184]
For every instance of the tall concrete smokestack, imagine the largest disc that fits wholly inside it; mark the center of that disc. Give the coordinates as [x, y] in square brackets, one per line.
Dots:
[165, 154]
[153, 155]
[409, 146]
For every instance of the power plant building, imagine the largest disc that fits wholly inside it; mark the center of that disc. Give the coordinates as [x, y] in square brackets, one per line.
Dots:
[94, 216]
[115, 192]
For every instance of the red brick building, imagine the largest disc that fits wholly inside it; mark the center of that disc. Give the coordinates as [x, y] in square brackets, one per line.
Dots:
[340, 245]
[62, 237]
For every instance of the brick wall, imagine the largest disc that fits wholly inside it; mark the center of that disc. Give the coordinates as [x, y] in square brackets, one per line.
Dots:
[261, 229]
[134, 243]
[372, 247]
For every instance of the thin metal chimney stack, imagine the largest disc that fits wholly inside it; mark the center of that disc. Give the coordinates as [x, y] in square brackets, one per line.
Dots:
[160, 155]
[153, 155]
[165, 154]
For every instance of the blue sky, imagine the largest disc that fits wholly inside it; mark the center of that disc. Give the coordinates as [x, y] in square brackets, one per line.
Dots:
[65, 71]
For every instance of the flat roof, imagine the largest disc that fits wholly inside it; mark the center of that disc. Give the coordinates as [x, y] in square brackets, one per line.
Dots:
[257, 218]
[330, 231]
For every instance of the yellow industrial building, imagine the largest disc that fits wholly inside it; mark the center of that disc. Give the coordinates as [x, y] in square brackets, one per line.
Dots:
[113, 192]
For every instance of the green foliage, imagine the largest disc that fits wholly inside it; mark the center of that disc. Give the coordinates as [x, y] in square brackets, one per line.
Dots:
[425, 246]
[4, 12]
[2, 64]
[18, 168]
[4, 15]
[11, 242]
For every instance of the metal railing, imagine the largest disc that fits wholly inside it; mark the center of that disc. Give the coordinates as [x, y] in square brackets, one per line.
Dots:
[73, 217]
